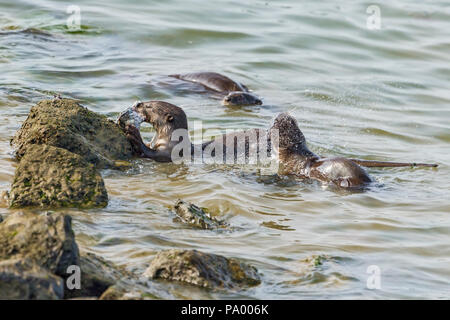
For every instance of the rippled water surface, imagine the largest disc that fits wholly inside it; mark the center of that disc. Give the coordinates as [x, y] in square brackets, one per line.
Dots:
[374, 94]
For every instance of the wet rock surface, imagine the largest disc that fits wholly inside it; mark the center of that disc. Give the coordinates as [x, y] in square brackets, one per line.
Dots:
[121, 292]
[60, 147]
[202, 269]
[97, 275]
[45, 239]
[48, 176]
[102, 279]
[196, 217]
[64, 123]
[36, 251]
[24, 279]
[106, 281]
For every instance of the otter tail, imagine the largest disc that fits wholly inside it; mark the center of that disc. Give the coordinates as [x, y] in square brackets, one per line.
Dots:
[177, 76]
[381, 164]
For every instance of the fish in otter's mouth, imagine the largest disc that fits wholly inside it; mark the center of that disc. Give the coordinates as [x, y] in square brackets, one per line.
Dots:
[130, 117]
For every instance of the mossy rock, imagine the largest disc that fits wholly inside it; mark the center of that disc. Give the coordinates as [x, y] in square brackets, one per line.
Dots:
[196, 217]
[45, 239]
[202, 269]
[54, 177]
[64, 123]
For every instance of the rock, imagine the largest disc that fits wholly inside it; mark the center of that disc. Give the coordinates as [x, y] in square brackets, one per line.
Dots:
[54, 177]
[315, 260]
[25, 280]
[106, 281]
[320, 270]
[202, 269]
[66, 124]
[45, 239]
[197, 217]
[97, 275]
[118, 292]
[113, 293]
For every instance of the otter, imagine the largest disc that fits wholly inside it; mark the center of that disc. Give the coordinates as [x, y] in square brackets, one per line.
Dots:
[296, 159]
[290, 145]
[236, 94]
[166, 119]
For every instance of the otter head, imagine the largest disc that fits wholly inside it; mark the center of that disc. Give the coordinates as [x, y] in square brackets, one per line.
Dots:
[163, 116]
[287, 138]
[165, 119]
[239, 98]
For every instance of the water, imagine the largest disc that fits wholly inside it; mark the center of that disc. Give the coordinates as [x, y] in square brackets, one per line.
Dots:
[374, 94]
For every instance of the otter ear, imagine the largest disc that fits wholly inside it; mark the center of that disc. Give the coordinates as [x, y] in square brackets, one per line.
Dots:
[169, 118]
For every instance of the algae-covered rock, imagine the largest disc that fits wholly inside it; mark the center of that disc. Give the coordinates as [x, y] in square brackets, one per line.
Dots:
[197, 217]
[45, 239]
[66, 124]
[54, 177]
[202, 269]
[23, 279]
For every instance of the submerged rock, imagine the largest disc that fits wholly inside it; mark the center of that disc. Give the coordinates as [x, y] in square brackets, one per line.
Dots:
[24, 279]
[45, 239]
[197, 217]
[66, 124]
[121, 292]
[54, 177]
[320, 270]
[202, 269]
[104, 280]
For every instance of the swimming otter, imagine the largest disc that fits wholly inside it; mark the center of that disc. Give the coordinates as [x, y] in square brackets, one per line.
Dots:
[296, 159]
[293, 153]
[236, 94]
[167, 119]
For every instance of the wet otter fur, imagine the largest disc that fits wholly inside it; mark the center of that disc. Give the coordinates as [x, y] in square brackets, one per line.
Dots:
[166, 118]
[289, 144]
[236, 94]
[296, 159]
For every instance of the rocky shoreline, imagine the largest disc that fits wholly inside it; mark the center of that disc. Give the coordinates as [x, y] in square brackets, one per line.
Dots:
[61, 148]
